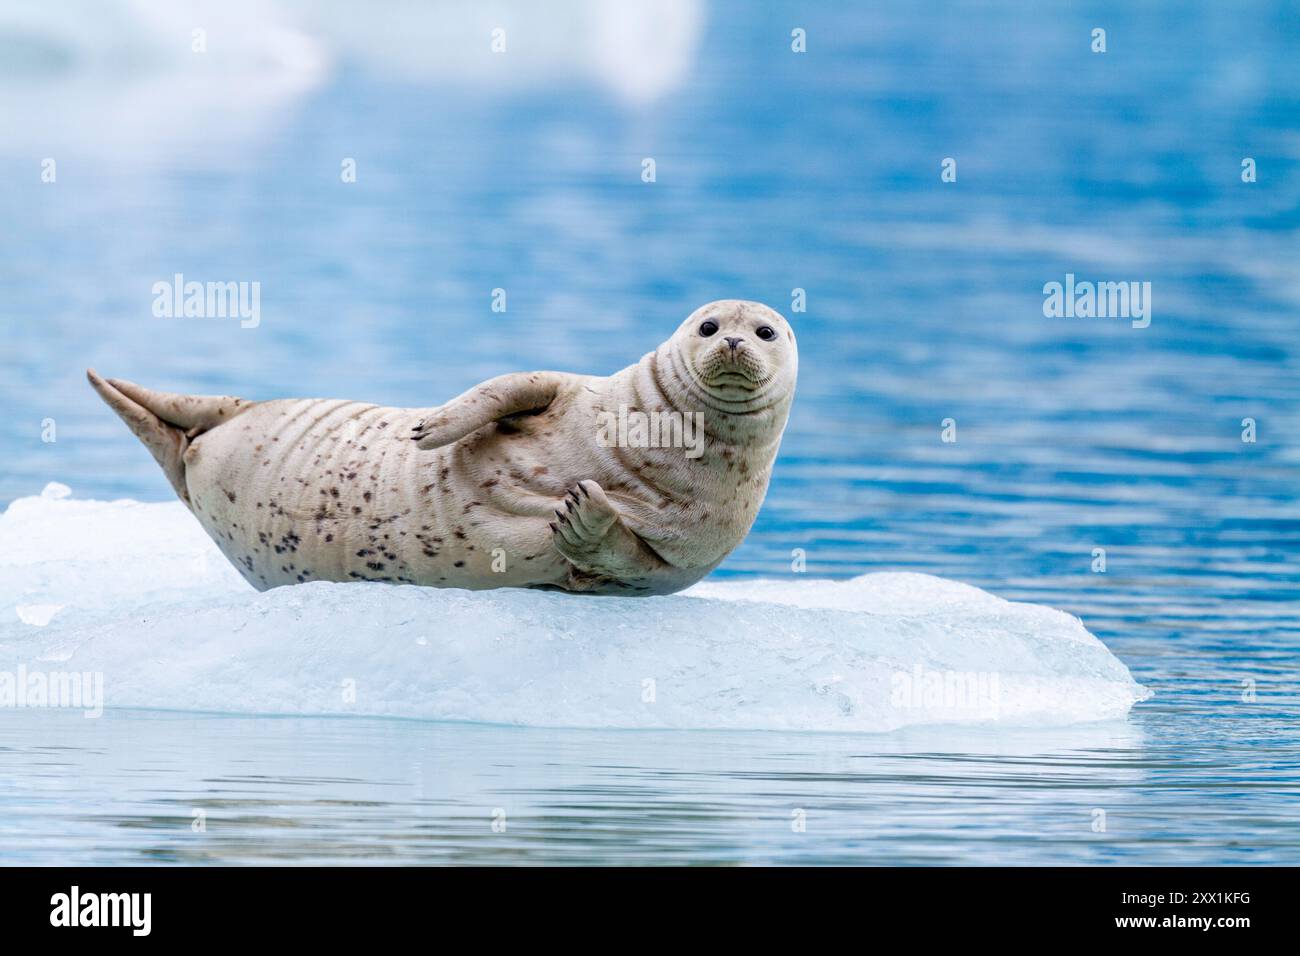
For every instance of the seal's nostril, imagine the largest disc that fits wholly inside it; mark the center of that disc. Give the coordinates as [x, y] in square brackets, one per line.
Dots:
[733, 342]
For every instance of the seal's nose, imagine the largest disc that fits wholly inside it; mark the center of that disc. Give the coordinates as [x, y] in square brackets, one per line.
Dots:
[733, 342]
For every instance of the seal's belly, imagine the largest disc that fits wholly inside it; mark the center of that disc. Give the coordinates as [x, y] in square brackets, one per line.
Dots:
[306, 490]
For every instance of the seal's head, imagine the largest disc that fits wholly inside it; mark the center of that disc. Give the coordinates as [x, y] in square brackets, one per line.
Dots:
[738, 352]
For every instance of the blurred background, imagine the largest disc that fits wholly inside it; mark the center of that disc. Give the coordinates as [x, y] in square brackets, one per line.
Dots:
[775, 171]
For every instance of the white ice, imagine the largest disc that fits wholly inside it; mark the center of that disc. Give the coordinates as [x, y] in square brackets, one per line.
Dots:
[138, 593]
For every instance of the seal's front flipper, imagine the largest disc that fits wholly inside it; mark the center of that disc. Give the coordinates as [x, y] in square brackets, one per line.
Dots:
[606, 555]
[518, 393]
[586, 519]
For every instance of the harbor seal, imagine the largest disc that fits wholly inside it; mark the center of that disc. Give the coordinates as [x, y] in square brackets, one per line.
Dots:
[638, 483]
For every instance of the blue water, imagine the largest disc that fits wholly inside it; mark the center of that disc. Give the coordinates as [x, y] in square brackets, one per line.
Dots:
[775, 171]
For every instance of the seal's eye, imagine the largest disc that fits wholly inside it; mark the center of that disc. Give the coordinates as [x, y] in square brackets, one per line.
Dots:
[766, 333]
[708, 328]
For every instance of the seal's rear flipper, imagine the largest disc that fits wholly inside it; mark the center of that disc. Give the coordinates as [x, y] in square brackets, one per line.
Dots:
[194, 414]
[165, 422]
[166, 442]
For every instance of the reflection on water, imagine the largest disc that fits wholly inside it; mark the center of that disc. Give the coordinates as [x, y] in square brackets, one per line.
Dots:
[775, 171]
[128, 789]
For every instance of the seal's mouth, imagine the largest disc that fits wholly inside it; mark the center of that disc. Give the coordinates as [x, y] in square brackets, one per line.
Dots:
[726, 368]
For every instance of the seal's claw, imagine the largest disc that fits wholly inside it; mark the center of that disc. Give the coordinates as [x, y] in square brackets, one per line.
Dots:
[431, 432]
[586, 520]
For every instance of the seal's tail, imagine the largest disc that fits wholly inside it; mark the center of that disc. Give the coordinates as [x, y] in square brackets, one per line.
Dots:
[165, 422]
